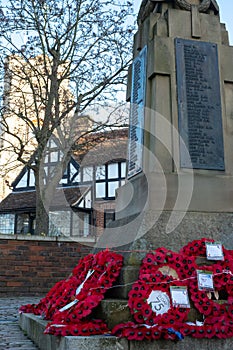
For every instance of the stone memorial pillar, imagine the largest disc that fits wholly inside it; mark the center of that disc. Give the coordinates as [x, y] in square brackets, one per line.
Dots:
[180, 172]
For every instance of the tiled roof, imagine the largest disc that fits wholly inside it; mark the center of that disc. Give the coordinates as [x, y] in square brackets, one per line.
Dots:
[26, 200]
[103, 147]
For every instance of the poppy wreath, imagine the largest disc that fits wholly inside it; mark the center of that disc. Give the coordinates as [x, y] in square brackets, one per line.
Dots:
[162, 259]
[222, 278]
[218, 320]
[190, 252]
[213, 311]
[197, 248]
[133, 331]
[159, 310]
[83, 328]
[66, 293]
[106, 267]
[62, 292]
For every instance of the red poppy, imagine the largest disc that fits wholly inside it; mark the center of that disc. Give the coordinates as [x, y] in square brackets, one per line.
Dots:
[222, 331]
[118, 330]
[156, 333]
[199, 332]
[155, 257]
[130, 333]
[169, 320]
[185, 329]
[140, 333]
[139, 317]
[147, 312]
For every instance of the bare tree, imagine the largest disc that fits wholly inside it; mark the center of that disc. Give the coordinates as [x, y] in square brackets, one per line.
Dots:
[60, 59]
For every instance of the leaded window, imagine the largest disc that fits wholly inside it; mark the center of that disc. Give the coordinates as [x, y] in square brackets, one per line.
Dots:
[7, 223]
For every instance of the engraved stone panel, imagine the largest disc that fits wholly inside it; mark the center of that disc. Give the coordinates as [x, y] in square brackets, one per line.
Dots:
[199, 104]
[136, 127]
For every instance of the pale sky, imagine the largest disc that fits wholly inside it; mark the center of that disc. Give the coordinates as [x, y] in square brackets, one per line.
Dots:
[226, 14]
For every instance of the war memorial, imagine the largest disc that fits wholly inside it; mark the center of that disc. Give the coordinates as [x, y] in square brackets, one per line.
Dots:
[180, 143]
[179, 188]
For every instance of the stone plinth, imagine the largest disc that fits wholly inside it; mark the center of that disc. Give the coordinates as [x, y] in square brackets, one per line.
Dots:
[34, 328]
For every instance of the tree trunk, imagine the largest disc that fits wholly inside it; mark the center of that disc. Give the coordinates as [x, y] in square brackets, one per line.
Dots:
[42, 210]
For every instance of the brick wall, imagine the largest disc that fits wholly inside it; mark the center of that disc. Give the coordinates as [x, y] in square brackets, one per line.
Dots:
[31, 266]
[100, 207]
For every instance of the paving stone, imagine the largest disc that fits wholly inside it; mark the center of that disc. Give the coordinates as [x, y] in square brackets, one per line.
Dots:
[11, 336]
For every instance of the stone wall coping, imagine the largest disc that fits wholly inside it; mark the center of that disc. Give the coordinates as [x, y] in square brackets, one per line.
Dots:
[48, 239]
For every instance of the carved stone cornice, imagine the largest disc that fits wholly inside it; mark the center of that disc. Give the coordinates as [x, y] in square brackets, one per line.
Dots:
[202, 7]
[148, 6]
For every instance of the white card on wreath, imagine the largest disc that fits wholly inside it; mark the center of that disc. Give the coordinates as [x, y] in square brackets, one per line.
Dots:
[159, 302]
[205, 280]
[179, 295]
[214, 251]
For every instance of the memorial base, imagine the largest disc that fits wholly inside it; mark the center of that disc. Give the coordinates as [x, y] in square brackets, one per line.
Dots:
[34, 327]
[144, 235]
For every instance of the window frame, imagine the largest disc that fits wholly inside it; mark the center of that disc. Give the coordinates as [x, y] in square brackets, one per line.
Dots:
[29, 173]
[106, 181]
[107, 212]
[10, 216]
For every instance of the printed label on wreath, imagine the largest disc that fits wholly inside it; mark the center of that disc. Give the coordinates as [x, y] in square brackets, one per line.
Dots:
[159, 302]
[205, 280]
[214, 251]
[179, 295]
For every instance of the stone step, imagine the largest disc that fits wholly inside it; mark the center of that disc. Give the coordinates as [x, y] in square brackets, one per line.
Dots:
[34, 327]
[113, 312]
[127, 277]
